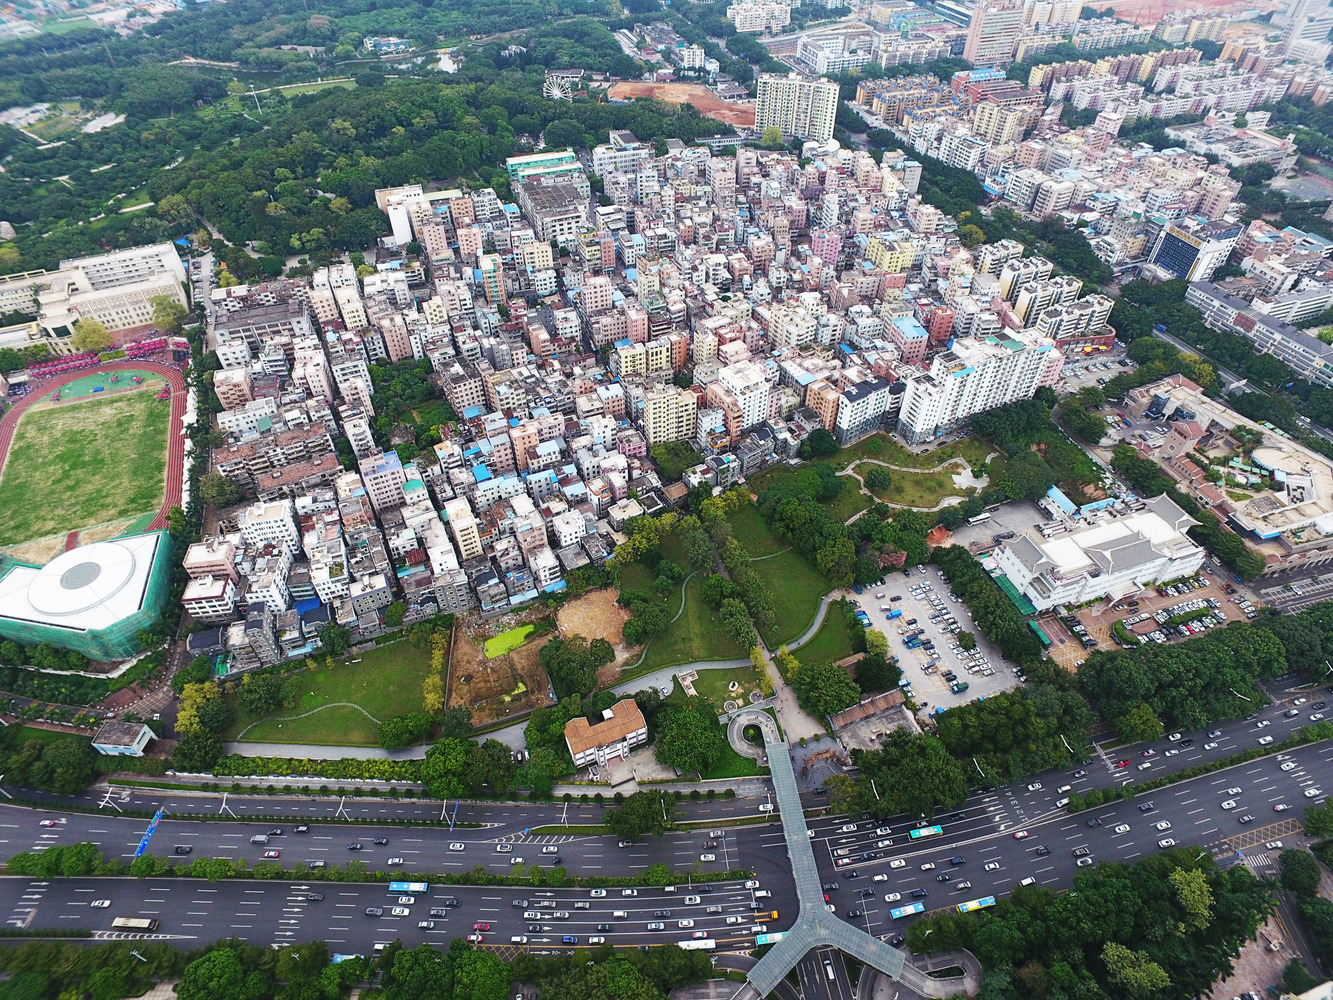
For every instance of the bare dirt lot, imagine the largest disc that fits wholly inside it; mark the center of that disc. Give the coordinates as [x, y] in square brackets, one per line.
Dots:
[595, 615]
[704, 100]
[497, 687]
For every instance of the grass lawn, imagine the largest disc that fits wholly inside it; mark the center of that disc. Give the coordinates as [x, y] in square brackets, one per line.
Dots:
[748, 528]
[832, 642]
[693, 636]
[847, 503]
[796, 587]
[713, 686]
[884, 448]
[27, 733]
[733, 765]
[506, 641]
[917, 489]
[291, 90]
[84, 463]
[384, 681]
[672, 458]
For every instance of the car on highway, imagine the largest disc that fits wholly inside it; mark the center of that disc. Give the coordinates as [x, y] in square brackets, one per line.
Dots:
[958, 860]
[661, 913]
[992, 866]
[625, 843]
[629, 892]
[735, 918]
[100, 904]
[1080, 773]
[550, 849]
[929, 866]
[1214, 733]
[1210, 746]
[893, 897]
[1262, 723]
[406, 900]
[1094, 822]
[315, 864]
[1020, 834]
[943, 877]
[1163, 825]
[1317, 717]
[314, 897]
[1034, 786]
[919, 893]
[1233, 790]
[381, 841]
[897, 863]
[302, 829]
[886, 842]
[709, 844]
[182, 849]
[848, 828]
[1174, 738]
[879, 877]
[962, 885]
[475, 938]
[1084, 862]
[503, 848]
[656, 925]
[50, 823]
[1229, 804]
[708, 856]
[394, 861]
[354, 846]
[883, 831]
[1150, 752]
[595, 939]
[856, 913]
[830, 886]
[1122, 828]
[1166, 842]
[273, 855]
[844, 862]
[694, 900]
[1290, 765]
[1273, 845]
[1281, 807]
[597, 893]
[1247, 818]
[1265, 740]
[456, 846]
[1043, 850]
[1122, 763]
[275, 832]
[400, 911]
[1081, 852]
[374, 911]
[425, 925]
[1312, 792]
[517, 859]
[684, 923]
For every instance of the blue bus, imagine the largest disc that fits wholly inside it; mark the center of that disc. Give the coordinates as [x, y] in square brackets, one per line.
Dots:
[976, 904]
[906, 911]
[926, 831]
[410, 888]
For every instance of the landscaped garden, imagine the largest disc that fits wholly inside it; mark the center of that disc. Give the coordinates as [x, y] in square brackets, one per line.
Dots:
[833, 641]
[915, 489]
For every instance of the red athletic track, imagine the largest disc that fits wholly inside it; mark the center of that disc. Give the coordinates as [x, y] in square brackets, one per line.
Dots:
[175, 472]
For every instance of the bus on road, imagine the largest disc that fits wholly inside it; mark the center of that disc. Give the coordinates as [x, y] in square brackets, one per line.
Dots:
[906, 911]
[976, 904]
[926, 831]
[134, 924]
[979, 519]
[411, 888]
[703, 944]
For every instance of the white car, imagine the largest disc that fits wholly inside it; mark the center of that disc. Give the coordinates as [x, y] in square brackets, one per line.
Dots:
[1234, 790]
[1290, 765]
[893, 897]
[886, 842]
[707, 857]
[1273, 845]
[691, 900]
[929, 866]
[897, 863]
[1312, 792]
[848, 828]
[392, 862]
[1122, 828]
[1166, 842]
[596, 940]
[752, 883]
[992, 866]
[883, 831]
[687, 922]
[1229, 804]
[455, 846]
[629, 892]
[881, 877]
[550, 849]
[100, 904]
[1164, 825]
[515, 860]
[400, 911]
[1210, 746]
[735, 918]
[1035, 786]
[1265, 740]
[597, 893]
[503, 848]
[406, 900]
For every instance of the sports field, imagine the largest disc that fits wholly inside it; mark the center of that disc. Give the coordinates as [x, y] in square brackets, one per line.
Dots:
[86, 462]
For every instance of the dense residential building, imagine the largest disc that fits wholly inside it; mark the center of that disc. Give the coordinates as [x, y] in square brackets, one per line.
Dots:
[798, 105]
[993, 32]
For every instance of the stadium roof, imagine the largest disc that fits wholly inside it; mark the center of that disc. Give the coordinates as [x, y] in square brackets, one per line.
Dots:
[88, 588]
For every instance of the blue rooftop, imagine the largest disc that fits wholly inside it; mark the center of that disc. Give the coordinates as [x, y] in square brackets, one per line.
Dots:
[480, 473]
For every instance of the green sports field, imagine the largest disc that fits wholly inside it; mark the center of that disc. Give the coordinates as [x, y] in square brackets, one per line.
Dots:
[84, 463]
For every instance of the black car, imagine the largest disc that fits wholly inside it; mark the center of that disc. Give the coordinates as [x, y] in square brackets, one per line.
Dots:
[315, 897]
[659, 914]
[603, 927]
[1043, 850]
[943, 877]
[897, 939]
[919, 894]
[1146, 807]
[1080, 773]
[302, 829]
[381, 840]
[438, 911]
[1319, 706]
[354, 845]
[957, 860]
[867, 893]
[1094, 822]
[703, 888]
[184, 849]
[534, 927]
[855, 913]
[1186, 744]
[854, 874]
[275, 832]
[557, 860]
[374, 911]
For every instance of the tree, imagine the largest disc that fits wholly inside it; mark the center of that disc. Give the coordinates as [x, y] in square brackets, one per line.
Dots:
[90, 335]
[432, 694]
[1194, 896]
[1134, 971]
[219, 975]
[642, 814]
[875, 673]
[913, 773]
[403, 729]
[168, 314]
[877, 643]
[260, 693]
[819, 444]
[688, 740]
[1300, 872]
[879, 478]
[824, 689]
[1297, 979]
[335, 639]
[772, 137]
[197, 753]
[967, 640]
[216, 490]
[570, 665]
[971, 235]
[420, 973]
[393, 614]
[1319, 820]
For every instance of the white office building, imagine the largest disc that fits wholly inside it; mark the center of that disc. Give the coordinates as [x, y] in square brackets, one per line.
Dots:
[798, 105]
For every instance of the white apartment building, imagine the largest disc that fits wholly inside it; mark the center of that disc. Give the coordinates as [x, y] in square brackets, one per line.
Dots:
[800, 106]
[759, 17]
[274, 521]
[1111, 559]
[463, 524]
[972, 376]
[748, 385]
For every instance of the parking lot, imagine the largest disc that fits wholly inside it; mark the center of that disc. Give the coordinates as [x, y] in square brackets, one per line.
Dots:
[1098, 618]
[931, 690]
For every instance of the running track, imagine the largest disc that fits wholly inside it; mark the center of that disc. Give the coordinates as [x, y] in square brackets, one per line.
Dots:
[175, 440]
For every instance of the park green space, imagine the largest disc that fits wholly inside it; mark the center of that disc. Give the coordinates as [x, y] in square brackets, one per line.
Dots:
[750, 529]
[507, 642]
[832, 642]
[712, 688]
[695, 635]
[384, 681]
[84, 463]
[27, 733]
[916, 489]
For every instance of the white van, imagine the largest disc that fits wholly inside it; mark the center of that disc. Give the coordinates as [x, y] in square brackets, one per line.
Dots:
[620, 915]
[259, 838]
[1028, 881]
[518, 939]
